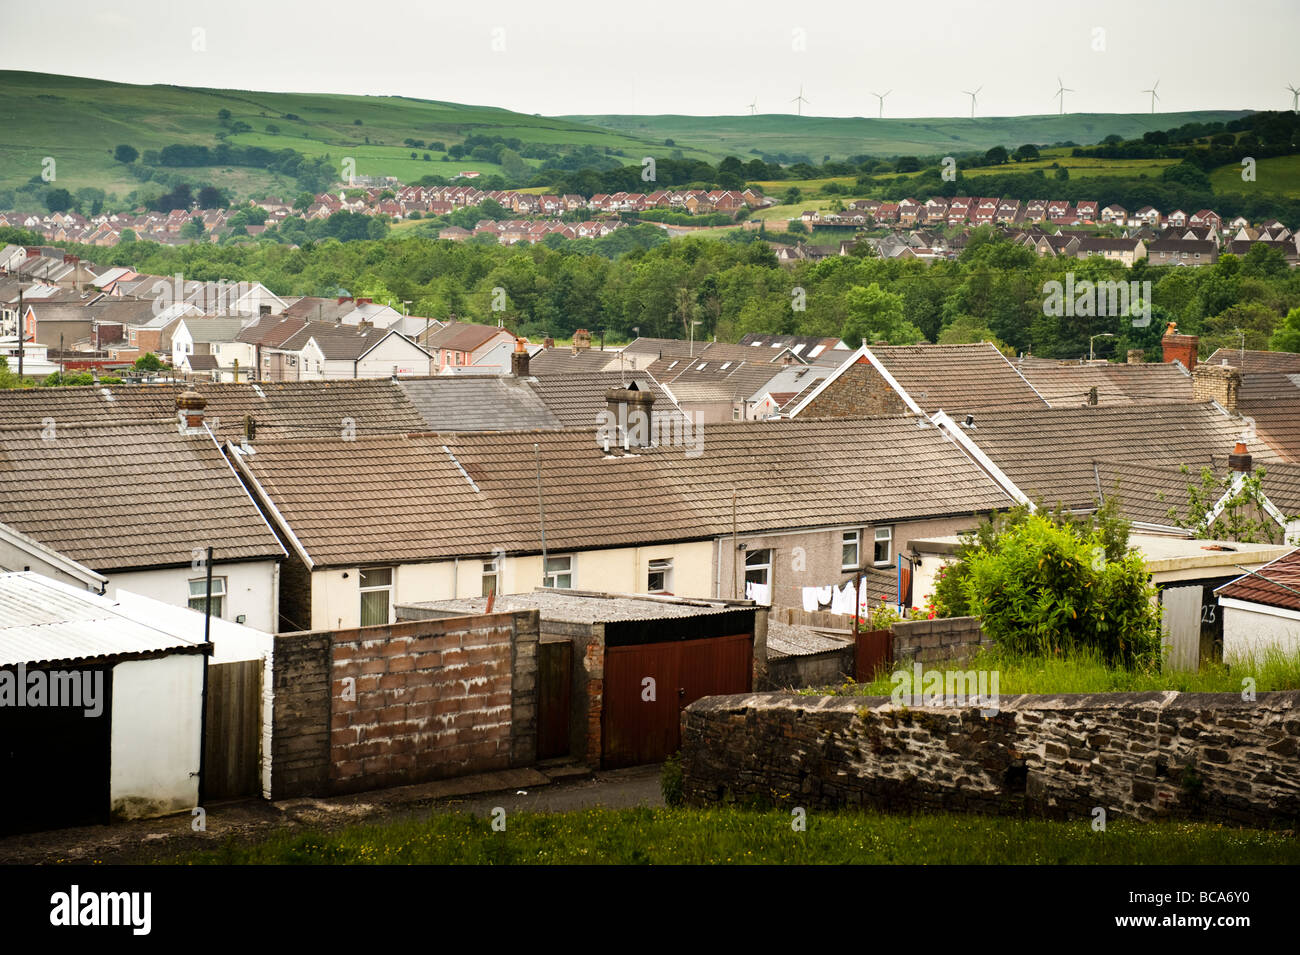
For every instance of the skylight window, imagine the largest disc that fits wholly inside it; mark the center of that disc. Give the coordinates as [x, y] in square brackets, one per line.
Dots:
[725, 366]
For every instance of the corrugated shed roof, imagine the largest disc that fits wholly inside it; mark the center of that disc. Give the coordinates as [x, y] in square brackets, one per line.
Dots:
[585, 608]
[45, 621]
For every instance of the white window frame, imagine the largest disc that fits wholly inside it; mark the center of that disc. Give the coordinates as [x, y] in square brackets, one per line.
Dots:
[492, 571]
[375, 588]
[882, 534]
[662, 566]
[218, 595]
[551, 578]
[765, 567]
[853, 538]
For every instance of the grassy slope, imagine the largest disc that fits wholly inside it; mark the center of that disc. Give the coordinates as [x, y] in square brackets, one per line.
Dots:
[740, 837]
[79, 121]
[839, 137]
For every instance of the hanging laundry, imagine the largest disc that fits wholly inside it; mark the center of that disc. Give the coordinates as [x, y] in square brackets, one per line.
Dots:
[825, 595]
[810, 599]
[759, 593]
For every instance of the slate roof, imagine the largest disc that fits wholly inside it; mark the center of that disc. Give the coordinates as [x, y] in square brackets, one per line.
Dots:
[404, 498]
[1272, 401]
[552, 361]
[280, 409]
[1049, 453]
[214, 329]
[1066, 384]
[338, 342]
[663, 347]
[958, 379]
[1256, 361]
[270, 330]
[138, 495]
[577, 399]
[479, 403]
[1276, 584]
[459, 336]
[702, 379]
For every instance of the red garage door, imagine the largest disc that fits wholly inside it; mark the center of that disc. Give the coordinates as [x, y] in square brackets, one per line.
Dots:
[648, 685]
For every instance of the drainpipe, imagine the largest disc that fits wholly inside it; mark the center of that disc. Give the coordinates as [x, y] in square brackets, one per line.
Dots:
[203, 696]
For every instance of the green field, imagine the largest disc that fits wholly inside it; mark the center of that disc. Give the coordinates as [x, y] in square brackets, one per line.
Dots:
[816, 137]
[1280, 176]
[79, 121]
[736, 836]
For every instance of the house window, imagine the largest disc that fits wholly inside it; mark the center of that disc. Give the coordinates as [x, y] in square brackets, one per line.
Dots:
[758, 566]
[559, 572]
[884, 552]
[198, 595]
[849, 550]
[491, 577]
[660, 578]
[376, 596]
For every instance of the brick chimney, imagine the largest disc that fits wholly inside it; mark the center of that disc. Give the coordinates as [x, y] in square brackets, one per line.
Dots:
[365, 301]
[631, 409]
[189, 408]
[344, 298]
[1179, 347]
[1221, 383]
[581, 340]
[519, 359]
[1135, 356]
[1240, 459]
[548, 343]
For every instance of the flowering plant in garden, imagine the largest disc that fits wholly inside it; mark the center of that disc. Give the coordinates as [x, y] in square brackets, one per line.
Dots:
[883, 616]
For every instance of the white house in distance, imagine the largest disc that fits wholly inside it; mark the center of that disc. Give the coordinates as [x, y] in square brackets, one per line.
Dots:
[326, 350]
[139, 504]
[1261, 610]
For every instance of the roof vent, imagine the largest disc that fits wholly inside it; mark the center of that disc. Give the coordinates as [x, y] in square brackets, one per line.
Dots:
[970, 421]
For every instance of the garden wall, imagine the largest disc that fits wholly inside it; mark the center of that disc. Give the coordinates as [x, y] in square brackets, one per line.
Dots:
[1137, 755]
[405, 703]
[944, 638]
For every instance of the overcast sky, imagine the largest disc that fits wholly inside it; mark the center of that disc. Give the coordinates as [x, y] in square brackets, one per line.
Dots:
[669, 56]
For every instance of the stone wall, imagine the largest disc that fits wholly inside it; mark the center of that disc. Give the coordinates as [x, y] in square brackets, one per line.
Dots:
[861, 390]
[404, 703]
[1142, 756]
[944, 638]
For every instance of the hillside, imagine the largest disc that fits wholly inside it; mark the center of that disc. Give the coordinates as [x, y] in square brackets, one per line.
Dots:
[815, 137]
[79, 121]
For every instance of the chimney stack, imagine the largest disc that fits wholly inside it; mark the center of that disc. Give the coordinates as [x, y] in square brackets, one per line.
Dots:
[1179, 347]
[1136, 356]
[189, 408]
[344, 298]
[519, 359]
[581, 340]
[1240, 459]
[631, 410]
[1221, 383]
[548, 343]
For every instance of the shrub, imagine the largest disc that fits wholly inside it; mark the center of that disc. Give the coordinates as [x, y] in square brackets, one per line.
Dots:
[1048, 588]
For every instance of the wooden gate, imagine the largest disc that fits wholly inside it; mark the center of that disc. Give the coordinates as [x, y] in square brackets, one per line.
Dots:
[232, 751]
[554, 698]
[872, 650]
[641, 721]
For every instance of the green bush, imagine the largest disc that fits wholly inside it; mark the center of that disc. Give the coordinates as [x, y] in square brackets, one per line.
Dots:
[1049, 588]
[671, 780]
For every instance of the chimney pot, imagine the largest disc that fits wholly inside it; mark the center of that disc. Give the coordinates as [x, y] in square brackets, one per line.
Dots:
[190, 405]
[519, 358]
[1240, 459]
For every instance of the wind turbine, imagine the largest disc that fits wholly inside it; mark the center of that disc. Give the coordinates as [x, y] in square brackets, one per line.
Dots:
[800, 99]
[1154, 95]
[1060, 93]
[881, 97]
[972, 99]
[1295, 98]
[753, 107]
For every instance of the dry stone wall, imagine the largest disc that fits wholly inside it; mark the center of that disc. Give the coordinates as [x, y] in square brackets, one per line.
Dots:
[1142, 756]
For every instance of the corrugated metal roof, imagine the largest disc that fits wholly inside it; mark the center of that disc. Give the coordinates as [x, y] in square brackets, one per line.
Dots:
[582, 607]
[44, 620]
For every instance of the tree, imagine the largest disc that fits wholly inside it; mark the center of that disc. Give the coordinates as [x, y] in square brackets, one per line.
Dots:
[513, 166]
[877, 315]
[148, 362]
[223, 116]
[996, 156]
[907, 164]
[128, 235]
[1287, 337]
[125, 153]
[792, 195]
[210, 197]
[1243, 516]
[1026, 152]
[58, 200]
[1047, 585]
[1062, 174]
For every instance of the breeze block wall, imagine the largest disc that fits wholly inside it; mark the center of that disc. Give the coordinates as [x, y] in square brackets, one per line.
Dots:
[404, 703]
[1144, 756]
[944, 638]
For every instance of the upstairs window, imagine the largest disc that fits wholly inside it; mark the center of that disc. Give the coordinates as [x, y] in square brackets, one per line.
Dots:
[376, 596]
[884, 550]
